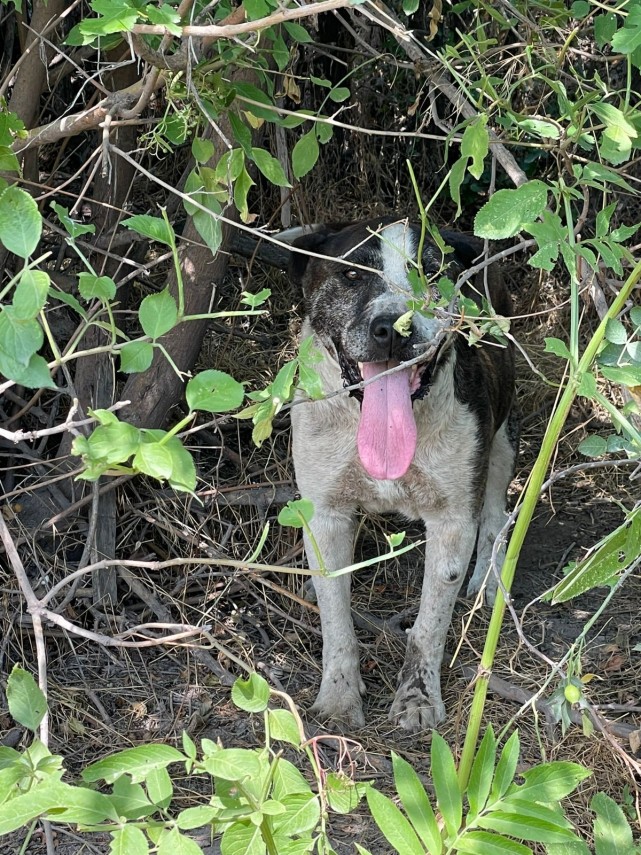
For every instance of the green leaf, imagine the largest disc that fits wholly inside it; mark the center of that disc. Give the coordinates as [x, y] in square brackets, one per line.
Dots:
[522, 806]
[242, 186]
[8, 161]
[457, 174]
[20, 222]
[475, 145]
[628, 38]
[165, 16]
[615, 331]
[343, 794]
[158, 314]
[540, 128]
[482, 772]
[234, 764]
[19, 339]
[298, 33]
[305, 154]
[72, 228]
[593, 446]
[612, 832]
[128, 840]
[196, 817]
[35, 375]
[524, 827]
[130, 800]
[509, 211]
[270, 167]
[202, 149]
[27, 703]
[287, 779]
[626, 375]
[31, 294]
[175, 843]
[395, 828]
[411, 6]
[486, 843]
[605, 27]
[242, 838]
[153, 459]
[152, 227]
[302, 813]
[611, 556]
[587, 387]
[137, 762]
[255, 300]
[296, 513]
[136, 356]
[283, 727]
[160, 787]
[339, 94]
[416, 804]
[616, 145]
[116, 16]
[252, 694]
[183, 470]
[214, 392]
[558, 347]
[39, 801]
[446, 785]
[93, 287]
[83, 806]
[506, 767]
[550, 782]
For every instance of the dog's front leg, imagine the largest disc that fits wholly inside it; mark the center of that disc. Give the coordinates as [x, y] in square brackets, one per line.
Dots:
[339, 698]
[418, 704]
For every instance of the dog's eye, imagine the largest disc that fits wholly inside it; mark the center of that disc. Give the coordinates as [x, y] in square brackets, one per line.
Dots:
[352, 274]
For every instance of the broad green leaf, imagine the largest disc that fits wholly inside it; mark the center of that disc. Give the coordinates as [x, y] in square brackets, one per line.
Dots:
[287, 779]
[137, 762]
[506, 767]
[22, 809]
[610, 557]
[302, 813]
[19, 339]
[113, 443]
[628, 38]
[165, 16]
[482, 772]
[626, 375]
[255, 300]
[153, 459]
[31, 294]
[116, 16]
[27, 703]
[616, 145]
[34, 375]
[152, 227]
[270, 167]
[416, 804]
[296, 513]
[446, 785]
[283, 384]
[209, 227]
[214, 392]
[174, 843]
[234, 764]
[130, 800]
[83, 807]
[298, 33]
[305, 154]
[252, 694]
[20, 222]
[615, 331]
[183, 469]
[569, 847]
[93, 287]
[550, 234]
[457, 174]
[72, 228]
[486, 843]
[158, 314]
[540, 128]
[395, 828]
[283, 727]
[613, 117]
[612, 832]
[196, 817]
[8, 161]
[202, 149]
[242, 838]
[136, 356]
[241, 133]
[524, 807]
[558, 347]
[475, 145]
[605, 27]
[523, 827]
[128, 840]
[550, 782]
[242, 186]
[339, 94]
[507, 212]
[593, 446]
[343, 794]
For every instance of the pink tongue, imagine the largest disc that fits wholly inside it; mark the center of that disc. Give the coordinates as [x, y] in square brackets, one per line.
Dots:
[387, 430]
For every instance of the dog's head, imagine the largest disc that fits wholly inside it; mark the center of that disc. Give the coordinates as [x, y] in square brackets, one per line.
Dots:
[356, 288]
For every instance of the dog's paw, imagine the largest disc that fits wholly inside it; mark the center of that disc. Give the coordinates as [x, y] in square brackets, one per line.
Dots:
[477, 582]
[340, 702]
[415, 710]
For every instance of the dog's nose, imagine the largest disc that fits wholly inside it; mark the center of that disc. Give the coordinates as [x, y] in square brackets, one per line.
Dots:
[383, 332]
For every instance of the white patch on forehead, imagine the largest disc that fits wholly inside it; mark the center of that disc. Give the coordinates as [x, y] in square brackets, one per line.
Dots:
[398, 247]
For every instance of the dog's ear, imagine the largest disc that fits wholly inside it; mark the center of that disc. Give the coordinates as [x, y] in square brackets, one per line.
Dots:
[299, 260]
[466, 248]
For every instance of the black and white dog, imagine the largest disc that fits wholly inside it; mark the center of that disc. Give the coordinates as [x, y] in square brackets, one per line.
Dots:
[435, 441]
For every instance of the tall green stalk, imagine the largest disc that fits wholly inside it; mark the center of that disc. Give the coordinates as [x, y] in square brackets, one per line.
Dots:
[530, 499]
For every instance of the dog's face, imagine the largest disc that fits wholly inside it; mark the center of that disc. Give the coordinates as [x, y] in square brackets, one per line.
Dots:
[353, 299]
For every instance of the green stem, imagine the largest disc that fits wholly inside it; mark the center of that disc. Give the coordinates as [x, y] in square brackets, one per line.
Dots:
[530, 500]
[574, 285]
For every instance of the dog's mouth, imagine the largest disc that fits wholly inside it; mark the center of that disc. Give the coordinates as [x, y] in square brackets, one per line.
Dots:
[387, 434]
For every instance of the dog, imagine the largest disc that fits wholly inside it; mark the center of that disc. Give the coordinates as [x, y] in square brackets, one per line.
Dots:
[435, 441]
